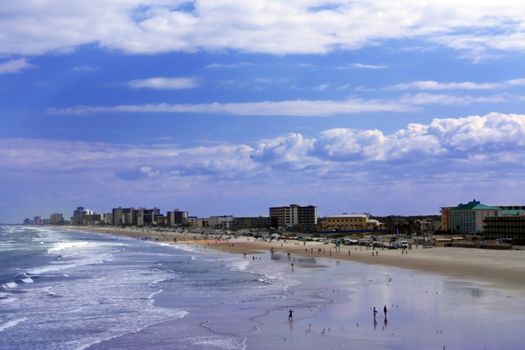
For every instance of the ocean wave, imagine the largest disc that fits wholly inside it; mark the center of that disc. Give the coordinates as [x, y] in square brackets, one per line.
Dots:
[9, 285]
[182, 247]
[6, 298]
[240, 265]
[11, 323]
[51, 268]
[60, 246]
[27, 280]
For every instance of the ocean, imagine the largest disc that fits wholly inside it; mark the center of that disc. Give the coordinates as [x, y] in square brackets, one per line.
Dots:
[66, 289]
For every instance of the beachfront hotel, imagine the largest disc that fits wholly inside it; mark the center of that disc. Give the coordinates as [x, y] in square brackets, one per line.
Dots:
[292, 215]
[468, 218]
[492, 222]
[177, 217]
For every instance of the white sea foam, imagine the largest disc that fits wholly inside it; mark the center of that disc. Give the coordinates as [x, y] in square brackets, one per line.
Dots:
[60, 246]
[6, 298]
[51, 268]
[220, 342]
[240, 265]
[27, 280]
[11, 323]
[96, 258]
[10, 285]
[182, 247]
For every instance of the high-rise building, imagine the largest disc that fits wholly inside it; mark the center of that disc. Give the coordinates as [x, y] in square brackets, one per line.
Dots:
[293, 214]
[79, 216]
[56, 219]
[146, 217]
[177, 217]
[123, 216]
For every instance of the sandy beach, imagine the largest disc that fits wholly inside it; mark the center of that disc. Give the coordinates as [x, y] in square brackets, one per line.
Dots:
[501, 269]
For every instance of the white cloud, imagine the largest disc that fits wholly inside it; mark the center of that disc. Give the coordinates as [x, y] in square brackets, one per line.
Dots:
[321, 87]
[368, 66]
[228, 65]
[163, 83]
[487, 141]
[85, 69]
[434, 85]
[286, 151]
[300, 108]
[445, 99]
[287, 27]
[296, 108]
[465, 85]
[456, 156]
[14, 66]
[446, 139]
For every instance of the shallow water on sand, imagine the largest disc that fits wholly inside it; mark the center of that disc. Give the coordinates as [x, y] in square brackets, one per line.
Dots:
[74, 290]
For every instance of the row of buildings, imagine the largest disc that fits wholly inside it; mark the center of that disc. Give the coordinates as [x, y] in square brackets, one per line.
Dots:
[293, 216]
[492, 222]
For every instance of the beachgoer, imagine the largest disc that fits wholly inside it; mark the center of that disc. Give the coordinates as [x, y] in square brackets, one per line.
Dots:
[290, 315]
[375, 312]
[385, 310]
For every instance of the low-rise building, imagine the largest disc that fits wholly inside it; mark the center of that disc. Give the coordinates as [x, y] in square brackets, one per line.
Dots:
[248, 222]
[220, 222]
[349, 222]
[508, 224]
[196, 222]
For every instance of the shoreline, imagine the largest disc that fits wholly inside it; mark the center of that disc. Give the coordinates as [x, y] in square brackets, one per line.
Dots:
[500, 269]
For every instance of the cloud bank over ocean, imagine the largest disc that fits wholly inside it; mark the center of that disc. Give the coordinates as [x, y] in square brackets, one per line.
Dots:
[450, 151]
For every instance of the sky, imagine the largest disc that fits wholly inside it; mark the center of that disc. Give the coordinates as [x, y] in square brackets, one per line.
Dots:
[227, 107]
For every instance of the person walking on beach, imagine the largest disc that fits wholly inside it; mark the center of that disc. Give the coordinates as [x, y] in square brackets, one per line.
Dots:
[385, 310]
[375, 312]
[290, 315]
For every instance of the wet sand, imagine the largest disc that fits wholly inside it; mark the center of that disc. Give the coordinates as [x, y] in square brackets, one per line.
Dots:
[501, 269]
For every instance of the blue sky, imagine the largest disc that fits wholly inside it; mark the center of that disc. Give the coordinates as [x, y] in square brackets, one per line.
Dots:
[228, 107]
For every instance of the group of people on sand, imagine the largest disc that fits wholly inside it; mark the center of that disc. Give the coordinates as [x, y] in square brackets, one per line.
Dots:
[385, 310]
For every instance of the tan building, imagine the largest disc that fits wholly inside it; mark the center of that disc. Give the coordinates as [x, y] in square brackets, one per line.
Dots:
[349, 222]
[445, 213]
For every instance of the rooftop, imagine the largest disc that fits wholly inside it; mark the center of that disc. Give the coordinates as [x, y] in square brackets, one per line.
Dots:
[474, 205]
[346, 215]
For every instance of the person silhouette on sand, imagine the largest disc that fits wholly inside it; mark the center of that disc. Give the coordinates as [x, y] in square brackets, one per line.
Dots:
[385, 310]
[290, 315]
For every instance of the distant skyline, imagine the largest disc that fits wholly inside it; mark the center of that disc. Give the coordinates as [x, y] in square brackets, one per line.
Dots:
[230, 107]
